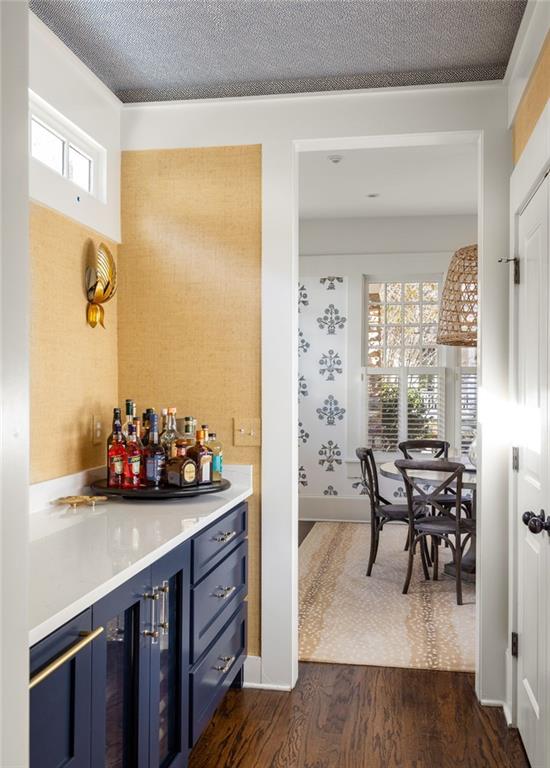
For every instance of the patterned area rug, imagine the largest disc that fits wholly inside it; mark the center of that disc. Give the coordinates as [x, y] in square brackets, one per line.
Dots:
[347, 618]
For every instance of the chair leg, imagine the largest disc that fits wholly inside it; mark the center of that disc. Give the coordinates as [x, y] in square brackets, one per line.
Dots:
[435, 545]
[412, 545]
[458, 568]
[373, 543]
[407, 543]
[424, 557]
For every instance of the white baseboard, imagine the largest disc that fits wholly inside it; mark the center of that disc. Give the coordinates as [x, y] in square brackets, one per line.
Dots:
[253, 676]
[508, 715]
[346, 509]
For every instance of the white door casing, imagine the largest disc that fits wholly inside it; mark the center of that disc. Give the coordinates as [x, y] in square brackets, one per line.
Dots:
[532, 481]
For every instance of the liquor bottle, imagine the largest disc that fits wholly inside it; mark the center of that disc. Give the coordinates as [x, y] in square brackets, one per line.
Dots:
[216, 448]
[164, 421]
[130, 413]
[116, 422]
[202, 458]
[116, 458]
[170, 435]
[181, 470]
[133, 460]
[153, 453]
[189, 430]
[147, 425]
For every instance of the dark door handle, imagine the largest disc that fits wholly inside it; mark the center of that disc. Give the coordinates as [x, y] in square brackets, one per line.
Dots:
[536, 523]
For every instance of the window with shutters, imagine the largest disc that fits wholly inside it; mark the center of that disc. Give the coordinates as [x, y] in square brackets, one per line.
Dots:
[405, 373]
[405, 383]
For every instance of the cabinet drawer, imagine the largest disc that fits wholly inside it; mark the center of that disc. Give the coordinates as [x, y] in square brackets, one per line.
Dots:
[211, 677]
[60, 705]
[212, 544]
[216, 597]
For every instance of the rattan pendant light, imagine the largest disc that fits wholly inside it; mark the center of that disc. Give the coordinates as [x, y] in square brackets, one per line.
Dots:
[458, 307]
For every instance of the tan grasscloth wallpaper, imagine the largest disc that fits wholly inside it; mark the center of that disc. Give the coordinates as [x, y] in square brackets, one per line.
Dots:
[533, 101]
[74, 368]
[183, 329]
[189, 297]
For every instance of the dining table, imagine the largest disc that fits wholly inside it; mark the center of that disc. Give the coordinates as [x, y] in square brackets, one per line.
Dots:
[434, 478]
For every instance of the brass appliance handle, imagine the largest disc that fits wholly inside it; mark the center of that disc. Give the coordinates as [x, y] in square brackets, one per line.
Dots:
[87, 638]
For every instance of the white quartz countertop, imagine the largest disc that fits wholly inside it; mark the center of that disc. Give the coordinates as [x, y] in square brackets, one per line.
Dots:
[77, 557]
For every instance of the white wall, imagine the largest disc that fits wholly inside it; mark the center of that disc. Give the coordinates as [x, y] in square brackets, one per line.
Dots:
[58, 77]
[387, 234]
[367, 118]
[348, 388]
[14, 308]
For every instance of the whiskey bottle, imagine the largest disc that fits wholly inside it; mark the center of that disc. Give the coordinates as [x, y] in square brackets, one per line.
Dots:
[133, 460]
[216, 448]
[202, 458]
[170, 435]
[116, 458]
[155, 459]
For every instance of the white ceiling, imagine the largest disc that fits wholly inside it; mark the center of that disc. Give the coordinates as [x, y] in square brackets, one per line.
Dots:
[411, 181]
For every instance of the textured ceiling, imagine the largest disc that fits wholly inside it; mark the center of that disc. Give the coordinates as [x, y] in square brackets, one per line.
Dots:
[153, 50]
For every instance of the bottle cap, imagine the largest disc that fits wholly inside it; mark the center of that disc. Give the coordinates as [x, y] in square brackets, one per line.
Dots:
[212, 435]
[200, 434]
[129, 407]
[172, 410]
[153, 421]
[164, 411]
[116, 412]
[204, 426]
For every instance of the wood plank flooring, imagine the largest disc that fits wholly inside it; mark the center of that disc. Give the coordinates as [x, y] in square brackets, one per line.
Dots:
[360, 717]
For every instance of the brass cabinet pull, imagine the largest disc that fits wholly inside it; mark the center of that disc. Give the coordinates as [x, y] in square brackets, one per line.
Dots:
[87, 638]
[224, 592]
[224, 537]
[227, 665]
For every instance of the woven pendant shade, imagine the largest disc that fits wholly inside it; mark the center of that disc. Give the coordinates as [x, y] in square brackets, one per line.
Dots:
[458, 308]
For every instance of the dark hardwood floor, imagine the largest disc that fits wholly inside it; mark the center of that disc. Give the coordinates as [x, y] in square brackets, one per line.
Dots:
[304, 527]
[360, 717]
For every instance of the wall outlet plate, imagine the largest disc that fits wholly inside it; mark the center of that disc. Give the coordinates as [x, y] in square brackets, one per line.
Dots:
[97, 430]
[247, 432]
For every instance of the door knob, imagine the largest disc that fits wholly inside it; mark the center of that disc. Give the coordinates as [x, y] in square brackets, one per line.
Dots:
[537, 523]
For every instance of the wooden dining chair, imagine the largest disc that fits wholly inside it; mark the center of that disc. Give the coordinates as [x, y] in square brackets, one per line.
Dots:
[448, 526]
[382, 511]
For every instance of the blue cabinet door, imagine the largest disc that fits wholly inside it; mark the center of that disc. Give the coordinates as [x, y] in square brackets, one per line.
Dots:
[169, 692]
[60, 702]
[120, 680]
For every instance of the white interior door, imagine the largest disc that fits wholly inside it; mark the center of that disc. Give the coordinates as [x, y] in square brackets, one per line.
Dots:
[532, 494]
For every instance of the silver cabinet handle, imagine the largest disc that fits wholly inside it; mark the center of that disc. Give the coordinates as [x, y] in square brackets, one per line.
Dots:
[222, 538]
[163, 623]
[224, 592]
[153, 633]
[86, 639]
[228, 663]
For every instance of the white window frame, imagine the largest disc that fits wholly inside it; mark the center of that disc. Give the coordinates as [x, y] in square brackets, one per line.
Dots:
[449, 368]
[72, 136]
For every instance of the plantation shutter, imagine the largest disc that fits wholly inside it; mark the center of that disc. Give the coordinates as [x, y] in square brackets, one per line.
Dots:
[468, 408]
[425, 405]
[383, 398]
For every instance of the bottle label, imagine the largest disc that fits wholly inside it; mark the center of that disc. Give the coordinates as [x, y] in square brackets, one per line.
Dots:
[190, 472]
[153, 468]
[135, 464]
[206, 469]
[117, 465]
[217, 464]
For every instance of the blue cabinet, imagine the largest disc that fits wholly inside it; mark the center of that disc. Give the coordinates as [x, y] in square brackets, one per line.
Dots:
[60, 700]
[133, 681]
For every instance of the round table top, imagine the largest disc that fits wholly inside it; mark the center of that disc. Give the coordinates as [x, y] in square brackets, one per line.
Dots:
[469, 478]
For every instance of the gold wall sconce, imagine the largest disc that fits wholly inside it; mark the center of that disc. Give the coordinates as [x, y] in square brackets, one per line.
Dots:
[100, 282]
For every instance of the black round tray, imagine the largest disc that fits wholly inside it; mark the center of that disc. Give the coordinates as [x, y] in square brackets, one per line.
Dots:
[159, 494]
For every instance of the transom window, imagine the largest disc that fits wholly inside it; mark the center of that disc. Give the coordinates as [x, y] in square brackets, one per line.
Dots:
[63, 147]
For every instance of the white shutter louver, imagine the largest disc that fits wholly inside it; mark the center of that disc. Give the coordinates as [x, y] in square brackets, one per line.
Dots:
[383, 411]
[468, 409]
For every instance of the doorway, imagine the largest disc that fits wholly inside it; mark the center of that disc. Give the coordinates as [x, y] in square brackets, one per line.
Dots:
[378, 227]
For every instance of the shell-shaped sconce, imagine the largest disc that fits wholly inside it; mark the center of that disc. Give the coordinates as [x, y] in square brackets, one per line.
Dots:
[100, 282]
